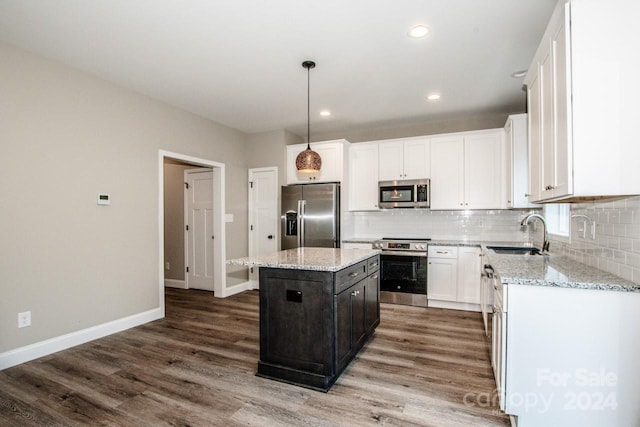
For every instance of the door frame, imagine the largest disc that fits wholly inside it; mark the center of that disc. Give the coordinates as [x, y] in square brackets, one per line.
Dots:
[252, 282]
[219, 279]
[185, 173]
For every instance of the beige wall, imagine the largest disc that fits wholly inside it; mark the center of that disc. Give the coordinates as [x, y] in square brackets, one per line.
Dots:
[65, 137]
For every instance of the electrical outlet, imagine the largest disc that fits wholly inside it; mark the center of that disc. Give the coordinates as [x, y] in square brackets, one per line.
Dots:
[167, 266]
[24, 319]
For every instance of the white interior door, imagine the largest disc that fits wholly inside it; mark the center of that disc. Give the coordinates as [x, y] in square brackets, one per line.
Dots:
[263, 214]
[199, 229]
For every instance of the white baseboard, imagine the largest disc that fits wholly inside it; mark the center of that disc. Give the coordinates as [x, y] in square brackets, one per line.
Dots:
[453, 305]
[52, 345]
[173, 283]
[236, 289]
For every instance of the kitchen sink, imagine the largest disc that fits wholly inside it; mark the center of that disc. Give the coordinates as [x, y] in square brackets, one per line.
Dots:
[515, 250]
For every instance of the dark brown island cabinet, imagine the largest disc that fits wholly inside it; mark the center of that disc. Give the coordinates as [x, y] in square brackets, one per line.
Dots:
[313, 323]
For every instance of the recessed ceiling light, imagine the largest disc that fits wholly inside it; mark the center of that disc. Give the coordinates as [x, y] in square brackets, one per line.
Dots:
[519, 74]
[419, 31]
[325, 113]
[433, 97]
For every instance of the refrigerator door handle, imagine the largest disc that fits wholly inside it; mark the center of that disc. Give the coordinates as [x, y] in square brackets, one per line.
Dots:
[302, 208]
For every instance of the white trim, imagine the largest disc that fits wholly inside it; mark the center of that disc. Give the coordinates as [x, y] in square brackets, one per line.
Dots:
[219, 246]
[174, 283]
[43, 348]
[453, 305]
[241, 287]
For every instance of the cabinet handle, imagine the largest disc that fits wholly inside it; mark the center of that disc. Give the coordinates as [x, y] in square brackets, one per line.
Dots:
[373, 264]
[526, 194]
[374, 277]
[355, 293]
[353, 274]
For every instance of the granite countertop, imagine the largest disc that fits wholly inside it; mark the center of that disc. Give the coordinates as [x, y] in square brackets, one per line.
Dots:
[317, 259]
[555, 271]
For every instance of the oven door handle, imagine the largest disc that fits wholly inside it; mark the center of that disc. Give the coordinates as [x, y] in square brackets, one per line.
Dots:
[403, 253]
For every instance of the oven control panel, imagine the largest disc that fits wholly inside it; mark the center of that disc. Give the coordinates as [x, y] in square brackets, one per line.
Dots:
[400, 246]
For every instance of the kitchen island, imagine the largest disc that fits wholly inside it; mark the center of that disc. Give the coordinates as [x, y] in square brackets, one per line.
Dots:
[318, 307]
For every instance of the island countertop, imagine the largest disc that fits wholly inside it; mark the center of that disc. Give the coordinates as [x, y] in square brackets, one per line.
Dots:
[317, 259]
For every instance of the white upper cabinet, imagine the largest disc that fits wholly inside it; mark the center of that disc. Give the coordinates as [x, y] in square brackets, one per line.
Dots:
[582, 101]
[516, 165]
[404, 159]
[363, 176]
[447, 172]
[483, 170]
[467, 171]
[332, 154]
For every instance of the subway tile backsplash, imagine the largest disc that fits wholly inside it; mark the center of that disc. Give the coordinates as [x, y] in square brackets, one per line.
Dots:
[616, 247]
[494, 225]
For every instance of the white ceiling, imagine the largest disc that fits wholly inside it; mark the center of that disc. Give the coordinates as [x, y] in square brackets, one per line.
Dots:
[238, 62]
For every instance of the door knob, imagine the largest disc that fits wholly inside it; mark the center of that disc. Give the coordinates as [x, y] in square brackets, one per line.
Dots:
[270, 236]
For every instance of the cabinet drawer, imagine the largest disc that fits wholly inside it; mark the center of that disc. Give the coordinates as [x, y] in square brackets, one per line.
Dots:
[350, 275]
[443, 252]
[373, 264]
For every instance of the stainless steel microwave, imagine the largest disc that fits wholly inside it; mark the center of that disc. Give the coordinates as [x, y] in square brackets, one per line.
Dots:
[404, 194]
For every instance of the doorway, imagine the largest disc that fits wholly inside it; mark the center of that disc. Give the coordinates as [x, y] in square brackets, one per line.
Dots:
[218, 209]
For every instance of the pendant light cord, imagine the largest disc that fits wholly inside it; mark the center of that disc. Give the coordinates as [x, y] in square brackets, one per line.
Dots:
[309, 65]
[309, 108]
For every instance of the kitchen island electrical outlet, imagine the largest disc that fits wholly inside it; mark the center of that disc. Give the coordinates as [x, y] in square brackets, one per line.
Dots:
[167, 266]
[24, 319]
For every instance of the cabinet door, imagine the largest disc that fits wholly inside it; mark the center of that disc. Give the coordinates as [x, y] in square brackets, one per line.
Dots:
[372, 302]
[344, 348]
[563, 159]
[447, 172]
[390, 165]
[442, 279]
[417, 155]
[508, 166]
[483, 171]
[546, 116]
[535, 138]
[358, 306]
[519, 161]
[469, 270]
[350, 322]
[363, 177]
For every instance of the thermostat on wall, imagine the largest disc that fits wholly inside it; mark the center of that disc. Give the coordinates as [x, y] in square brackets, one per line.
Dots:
[104, 199]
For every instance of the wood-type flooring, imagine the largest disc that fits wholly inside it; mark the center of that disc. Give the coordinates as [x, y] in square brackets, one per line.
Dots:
[196, 367]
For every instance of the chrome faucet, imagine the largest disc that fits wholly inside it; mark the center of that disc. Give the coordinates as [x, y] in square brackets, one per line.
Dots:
[525, 222]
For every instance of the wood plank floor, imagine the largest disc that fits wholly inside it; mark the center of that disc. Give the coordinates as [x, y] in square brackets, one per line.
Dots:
[427, 367]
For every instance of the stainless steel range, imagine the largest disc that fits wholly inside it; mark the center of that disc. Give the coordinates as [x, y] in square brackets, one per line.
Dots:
[403, 270]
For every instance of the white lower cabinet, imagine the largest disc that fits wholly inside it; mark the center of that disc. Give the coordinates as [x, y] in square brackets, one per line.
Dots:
[453, 277]
[469, 274]
[442, 273]
[571, 356]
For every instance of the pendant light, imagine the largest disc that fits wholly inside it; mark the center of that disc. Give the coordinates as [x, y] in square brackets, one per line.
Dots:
[308, 161]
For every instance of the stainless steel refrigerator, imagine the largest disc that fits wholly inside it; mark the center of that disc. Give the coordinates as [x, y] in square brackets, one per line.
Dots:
[310, 216]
